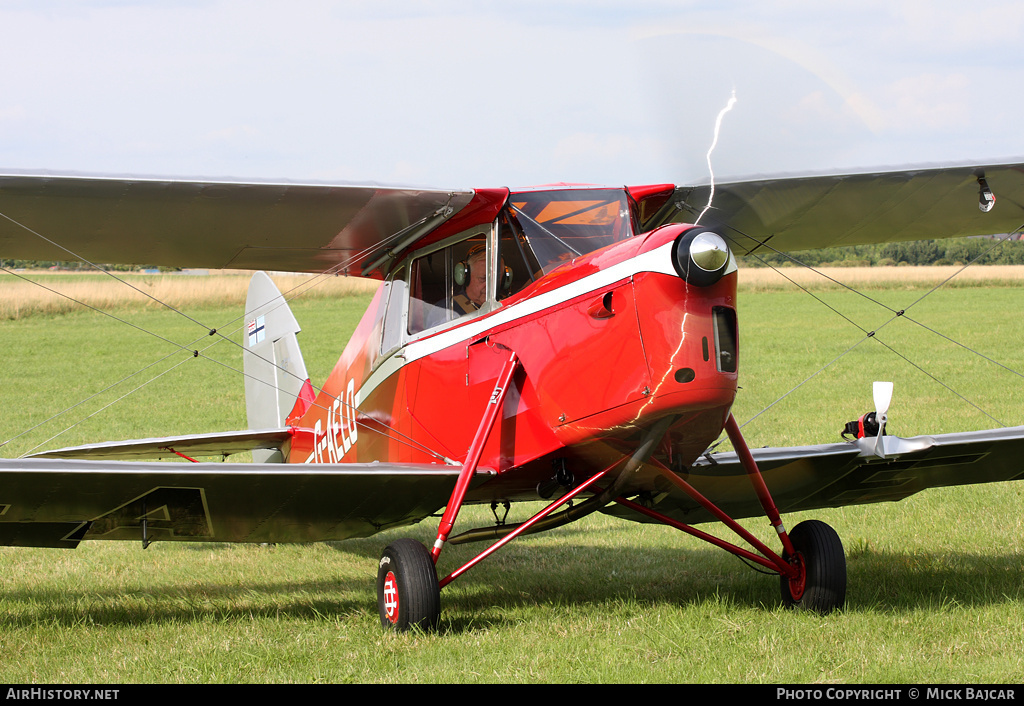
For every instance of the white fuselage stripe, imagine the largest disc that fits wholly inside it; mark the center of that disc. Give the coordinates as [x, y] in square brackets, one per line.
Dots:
[657, 260]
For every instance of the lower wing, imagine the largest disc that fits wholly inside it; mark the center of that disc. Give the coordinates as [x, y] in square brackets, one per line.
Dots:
[61, 502]
[836, 475]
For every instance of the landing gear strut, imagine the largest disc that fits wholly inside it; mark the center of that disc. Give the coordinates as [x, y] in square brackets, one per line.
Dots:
[811, 565]
[408, 592]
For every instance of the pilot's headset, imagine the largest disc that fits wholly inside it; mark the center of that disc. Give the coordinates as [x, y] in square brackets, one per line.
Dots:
[462, 269]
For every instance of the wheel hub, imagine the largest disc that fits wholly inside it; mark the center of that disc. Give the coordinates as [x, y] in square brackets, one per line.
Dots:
[798, 580]
[391, 598]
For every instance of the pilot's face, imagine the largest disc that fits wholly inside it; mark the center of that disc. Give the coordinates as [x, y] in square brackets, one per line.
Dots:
[476, 288]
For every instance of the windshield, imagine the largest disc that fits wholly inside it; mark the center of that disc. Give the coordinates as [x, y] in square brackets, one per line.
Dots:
[556, 226]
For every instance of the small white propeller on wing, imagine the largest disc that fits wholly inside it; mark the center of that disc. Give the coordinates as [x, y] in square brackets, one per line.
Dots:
[882, 392]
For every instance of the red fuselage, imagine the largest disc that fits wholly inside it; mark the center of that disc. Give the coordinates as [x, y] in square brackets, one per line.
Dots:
[609, 342]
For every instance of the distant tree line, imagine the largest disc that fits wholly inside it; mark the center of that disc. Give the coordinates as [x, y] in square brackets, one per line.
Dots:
[75, 266]
[950, 251]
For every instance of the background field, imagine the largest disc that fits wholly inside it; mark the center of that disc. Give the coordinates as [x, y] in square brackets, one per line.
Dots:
[935, 592]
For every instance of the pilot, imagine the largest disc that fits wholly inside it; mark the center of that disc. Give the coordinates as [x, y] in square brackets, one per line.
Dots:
[474, 280]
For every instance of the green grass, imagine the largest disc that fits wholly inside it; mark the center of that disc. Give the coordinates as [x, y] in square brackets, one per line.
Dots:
[935, 581]
[789, 337]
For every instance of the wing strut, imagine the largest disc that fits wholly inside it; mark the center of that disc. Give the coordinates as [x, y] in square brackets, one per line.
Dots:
[476, 449]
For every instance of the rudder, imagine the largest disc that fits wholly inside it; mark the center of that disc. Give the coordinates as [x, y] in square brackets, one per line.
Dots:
[276, 382]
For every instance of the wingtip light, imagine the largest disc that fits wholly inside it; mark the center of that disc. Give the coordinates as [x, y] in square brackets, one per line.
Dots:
[986, 199]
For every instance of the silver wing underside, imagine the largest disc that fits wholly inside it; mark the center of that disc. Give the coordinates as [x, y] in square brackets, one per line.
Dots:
[809, 212]
[58, 503]
[350, 229]
[216, 224]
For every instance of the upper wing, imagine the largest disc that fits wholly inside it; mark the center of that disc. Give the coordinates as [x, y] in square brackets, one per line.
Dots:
[354, 229]
[58, 503]
[217, 224]
[803, 213]
[836, 475]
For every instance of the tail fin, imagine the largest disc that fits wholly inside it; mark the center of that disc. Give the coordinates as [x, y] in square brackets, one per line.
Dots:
[277, 387]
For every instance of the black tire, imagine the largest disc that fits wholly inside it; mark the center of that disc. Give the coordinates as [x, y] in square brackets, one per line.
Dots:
[408, 595]
[824, 569]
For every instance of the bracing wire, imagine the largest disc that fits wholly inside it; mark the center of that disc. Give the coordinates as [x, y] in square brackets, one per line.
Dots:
[197, 353]
[294, 291]
[100, 409]
[901, 313]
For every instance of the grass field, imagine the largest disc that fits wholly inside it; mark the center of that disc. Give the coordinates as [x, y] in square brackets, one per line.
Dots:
[935, 582]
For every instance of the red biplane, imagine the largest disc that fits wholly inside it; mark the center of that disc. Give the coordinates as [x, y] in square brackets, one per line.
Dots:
[559, 343]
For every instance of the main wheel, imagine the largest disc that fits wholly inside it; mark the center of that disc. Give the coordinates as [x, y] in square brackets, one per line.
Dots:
[821, 583]
[407, 591]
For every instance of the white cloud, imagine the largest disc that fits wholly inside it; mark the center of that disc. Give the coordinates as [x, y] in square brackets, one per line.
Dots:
[12, 113]
[485, 93]
[930, 102]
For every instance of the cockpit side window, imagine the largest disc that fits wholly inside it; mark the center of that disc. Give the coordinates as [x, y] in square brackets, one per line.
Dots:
[429, 293]
[448, 283]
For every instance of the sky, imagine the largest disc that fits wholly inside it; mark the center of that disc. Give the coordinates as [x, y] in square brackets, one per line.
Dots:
[462, 94]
